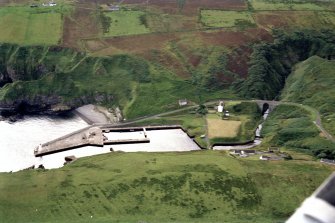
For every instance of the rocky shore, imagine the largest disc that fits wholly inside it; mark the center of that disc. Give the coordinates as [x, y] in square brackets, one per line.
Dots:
[93, 114]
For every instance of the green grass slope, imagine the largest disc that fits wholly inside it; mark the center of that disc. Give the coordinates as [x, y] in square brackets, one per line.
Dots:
[291, 127]
[271, 63]
[134, 84]
[312, 83]
[204, 186]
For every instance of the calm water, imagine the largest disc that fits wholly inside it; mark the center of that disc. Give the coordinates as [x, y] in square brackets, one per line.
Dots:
[18, 140]
[172, 140]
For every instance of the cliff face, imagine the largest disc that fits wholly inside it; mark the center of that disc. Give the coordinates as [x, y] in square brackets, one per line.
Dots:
[39, 104]
[49, 80]
[21, 63]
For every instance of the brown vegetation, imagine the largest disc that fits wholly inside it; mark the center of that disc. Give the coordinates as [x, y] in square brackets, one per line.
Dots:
[231, 38]
[136, 44]
[191, 7]
[80, 25]
[238, 60]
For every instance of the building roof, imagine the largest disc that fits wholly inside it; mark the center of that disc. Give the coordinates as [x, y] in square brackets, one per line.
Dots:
[263, 156]
[249, 151]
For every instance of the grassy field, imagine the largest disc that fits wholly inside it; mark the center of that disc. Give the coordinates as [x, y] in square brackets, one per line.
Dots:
[295, 19]
[30, 26]
[240, 126]
[44, 28]
[223, 128]
[292, 5]
[123, 23]
[314, 77]
[227, 19]
[204, 186]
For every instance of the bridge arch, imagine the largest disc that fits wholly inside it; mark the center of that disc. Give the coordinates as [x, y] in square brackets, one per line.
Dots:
[265, 107]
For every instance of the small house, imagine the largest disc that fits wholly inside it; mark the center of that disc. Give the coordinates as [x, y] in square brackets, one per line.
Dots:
[264, 157]
[248, 152]
[182, 102]
[273, 149]
[243, 152]
[52, 4]
[221, 107]
[236, 151]
[113, 7]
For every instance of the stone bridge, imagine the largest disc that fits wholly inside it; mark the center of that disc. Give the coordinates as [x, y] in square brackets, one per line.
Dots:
[265, 105]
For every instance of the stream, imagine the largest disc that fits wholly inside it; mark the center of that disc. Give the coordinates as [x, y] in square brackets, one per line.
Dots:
[253, 144]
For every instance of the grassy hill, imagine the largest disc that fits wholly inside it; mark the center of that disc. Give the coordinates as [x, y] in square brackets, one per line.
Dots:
[44, 77]
[204, 186]
[197, 50]
[289, 126]
[143, 59]
[292, 127]
[312, 83]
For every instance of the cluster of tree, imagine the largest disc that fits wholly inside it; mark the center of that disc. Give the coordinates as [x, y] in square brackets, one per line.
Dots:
[181, 4]
[216, 76]
[324, 153]
[271, 63]
[202, 110]
[105, 22]
[143, 20]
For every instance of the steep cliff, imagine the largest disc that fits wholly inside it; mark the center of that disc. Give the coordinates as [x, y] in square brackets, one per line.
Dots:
[54, 79]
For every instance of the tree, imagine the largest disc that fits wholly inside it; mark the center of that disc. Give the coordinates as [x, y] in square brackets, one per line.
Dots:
[181, 4]
[202, 110]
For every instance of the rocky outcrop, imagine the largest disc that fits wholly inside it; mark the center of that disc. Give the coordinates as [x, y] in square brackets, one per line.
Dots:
[47, 105]
[53, 80]
[4, 79]
[38, 105]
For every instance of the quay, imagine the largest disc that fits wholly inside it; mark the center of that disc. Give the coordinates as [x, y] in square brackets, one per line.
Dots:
[90, 136]
[94, 136]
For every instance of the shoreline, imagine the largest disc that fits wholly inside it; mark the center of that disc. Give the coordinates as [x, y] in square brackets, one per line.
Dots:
[91, 115]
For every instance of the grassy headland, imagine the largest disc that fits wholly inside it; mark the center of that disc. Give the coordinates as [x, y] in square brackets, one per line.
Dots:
[312, 83]
[272, 63]
[204, 186]
[292, 127]
[63, 76]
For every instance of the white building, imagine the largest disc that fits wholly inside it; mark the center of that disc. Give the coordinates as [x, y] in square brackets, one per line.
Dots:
[220, 107]
[182, 102]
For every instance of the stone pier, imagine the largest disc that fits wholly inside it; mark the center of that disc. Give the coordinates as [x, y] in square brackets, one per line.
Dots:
[86, 137]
